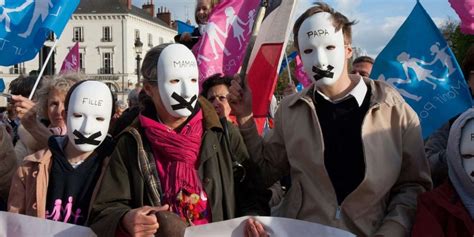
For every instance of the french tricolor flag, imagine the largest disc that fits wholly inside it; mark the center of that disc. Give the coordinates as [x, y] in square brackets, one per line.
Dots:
[267, 54]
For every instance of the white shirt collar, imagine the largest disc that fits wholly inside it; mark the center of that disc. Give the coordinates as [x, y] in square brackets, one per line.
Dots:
[358, 92]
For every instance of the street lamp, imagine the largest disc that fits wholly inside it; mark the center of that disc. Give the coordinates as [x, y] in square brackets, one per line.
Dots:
[138, 49]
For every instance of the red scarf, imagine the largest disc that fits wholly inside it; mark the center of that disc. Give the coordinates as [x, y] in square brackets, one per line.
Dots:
[176, 155]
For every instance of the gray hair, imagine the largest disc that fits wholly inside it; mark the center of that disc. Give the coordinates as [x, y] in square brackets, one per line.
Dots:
[61, 83]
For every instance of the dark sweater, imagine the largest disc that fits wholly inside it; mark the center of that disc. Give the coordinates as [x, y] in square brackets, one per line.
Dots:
[341, 125]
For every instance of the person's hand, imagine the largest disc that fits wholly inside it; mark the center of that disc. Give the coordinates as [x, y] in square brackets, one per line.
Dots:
[254, 228]
[240, 100]
[23, 106]
[185, 37]
[142, 221]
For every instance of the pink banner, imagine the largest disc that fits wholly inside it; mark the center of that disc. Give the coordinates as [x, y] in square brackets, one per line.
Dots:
[71, 62]
[223, 44]
[465, 11]
[301, 75]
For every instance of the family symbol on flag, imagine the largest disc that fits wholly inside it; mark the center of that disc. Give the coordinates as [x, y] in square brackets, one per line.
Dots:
[420, 65]
[418, 69]
[25, 25]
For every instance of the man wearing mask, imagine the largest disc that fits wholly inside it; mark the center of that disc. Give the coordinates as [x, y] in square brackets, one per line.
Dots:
[57, 183]
[352, 146]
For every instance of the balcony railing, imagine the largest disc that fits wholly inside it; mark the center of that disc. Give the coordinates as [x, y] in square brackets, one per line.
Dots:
[106, 70]
[106, 40]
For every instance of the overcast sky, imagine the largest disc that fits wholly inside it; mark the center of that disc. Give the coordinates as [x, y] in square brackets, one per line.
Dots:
[377, 19]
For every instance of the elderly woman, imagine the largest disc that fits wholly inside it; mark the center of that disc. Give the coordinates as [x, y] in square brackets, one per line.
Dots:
[173, 155]
[34, 132]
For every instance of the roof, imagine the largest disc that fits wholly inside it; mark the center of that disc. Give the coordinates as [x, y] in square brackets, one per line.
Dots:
[115, 6]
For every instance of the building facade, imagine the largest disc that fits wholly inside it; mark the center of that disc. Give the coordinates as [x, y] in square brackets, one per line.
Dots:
[106, 31]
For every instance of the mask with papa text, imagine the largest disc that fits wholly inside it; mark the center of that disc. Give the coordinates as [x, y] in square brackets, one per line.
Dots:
[322, 49]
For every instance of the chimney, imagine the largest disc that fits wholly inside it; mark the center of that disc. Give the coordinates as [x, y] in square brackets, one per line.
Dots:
[164, 15]
[149, 8]
[126, 3]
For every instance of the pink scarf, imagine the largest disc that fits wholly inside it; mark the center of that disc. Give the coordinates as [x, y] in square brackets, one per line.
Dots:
[176, 156]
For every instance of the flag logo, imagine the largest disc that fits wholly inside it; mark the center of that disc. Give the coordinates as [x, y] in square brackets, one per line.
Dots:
[420, 65]
[25, 25]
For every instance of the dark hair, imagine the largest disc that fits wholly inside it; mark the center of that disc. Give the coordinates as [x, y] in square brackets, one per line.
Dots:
[468, 63]
[215, 80]
[363, 59]
[23, 85]
[73, 87]
[339, 21]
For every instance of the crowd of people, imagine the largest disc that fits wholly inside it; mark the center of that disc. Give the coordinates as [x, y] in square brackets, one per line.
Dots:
[345, 152]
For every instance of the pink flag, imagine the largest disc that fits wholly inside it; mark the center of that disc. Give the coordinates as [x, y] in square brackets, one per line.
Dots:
[465, 11]
[222, 46]
[71, 62]
[301, 75]
[267, 54]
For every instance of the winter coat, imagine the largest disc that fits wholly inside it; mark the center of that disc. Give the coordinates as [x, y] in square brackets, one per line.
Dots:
[396, 169]
[126, 184]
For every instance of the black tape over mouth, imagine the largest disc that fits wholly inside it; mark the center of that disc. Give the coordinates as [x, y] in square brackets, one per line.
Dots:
[182, 102]
[323, 73]
[81, 139]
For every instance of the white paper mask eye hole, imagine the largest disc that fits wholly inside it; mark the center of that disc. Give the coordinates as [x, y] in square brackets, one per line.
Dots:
[174, 81]
[308, 51]
[100, 119]
[77, 115]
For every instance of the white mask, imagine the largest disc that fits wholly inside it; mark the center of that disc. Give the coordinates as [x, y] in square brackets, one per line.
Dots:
[88, 115]
[322, 49]
[467, 148]
[178, 80]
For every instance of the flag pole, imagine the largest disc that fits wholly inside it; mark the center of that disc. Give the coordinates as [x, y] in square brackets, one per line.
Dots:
[45, 63]
[255, 30]
[288, 68]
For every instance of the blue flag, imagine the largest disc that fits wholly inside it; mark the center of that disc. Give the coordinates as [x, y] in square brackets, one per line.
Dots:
[290, 57]
[419, 64]
[184, 27]
[26, 24]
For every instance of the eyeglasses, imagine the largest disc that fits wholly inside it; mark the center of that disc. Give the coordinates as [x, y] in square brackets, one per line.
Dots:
[220, 98]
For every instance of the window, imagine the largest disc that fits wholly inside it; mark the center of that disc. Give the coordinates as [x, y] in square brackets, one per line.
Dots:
[15, 69]
[78, 35]
[107, 63]
[81, 62]
[137, 34]
[150, 40]
[106, 34]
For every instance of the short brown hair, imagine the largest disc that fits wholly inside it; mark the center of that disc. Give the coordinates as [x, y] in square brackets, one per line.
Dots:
[215, 80]
[339, 21]
[150, 63]
[363, 59]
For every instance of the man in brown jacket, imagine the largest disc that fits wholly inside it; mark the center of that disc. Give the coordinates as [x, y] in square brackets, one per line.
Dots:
[352, 146]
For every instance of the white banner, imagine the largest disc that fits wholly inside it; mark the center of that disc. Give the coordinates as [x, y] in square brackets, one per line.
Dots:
[18, 225]
[275, 227]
